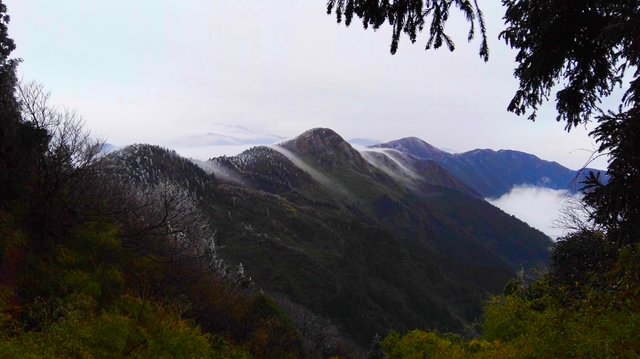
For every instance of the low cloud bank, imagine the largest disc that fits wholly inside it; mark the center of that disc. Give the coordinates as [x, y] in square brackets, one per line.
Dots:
[539, 207]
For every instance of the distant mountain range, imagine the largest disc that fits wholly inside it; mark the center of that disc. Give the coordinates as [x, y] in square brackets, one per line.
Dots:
[375, 239]
[494, 173]
[363, 141]
[490, 173]
[217, 139]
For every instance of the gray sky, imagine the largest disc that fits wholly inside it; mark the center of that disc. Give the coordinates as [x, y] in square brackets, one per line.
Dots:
[160, 71]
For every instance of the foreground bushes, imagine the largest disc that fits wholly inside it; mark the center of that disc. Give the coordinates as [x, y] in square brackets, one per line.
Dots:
[130, 327]
[595, 317]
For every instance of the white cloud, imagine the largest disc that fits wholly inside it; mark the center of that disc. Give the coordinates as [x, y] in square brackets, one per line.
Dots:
[539, 207]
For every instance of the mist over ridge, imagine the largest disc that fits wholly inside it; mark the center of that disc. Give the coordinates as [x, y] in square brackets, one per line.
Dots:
[536, 199]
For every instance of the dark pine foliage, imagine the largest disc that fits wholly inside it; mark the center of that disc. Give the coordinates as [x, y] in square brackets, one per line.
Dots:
[20, 142]
[411, 17]
[618, 201]
[585, 47]
[580, 258]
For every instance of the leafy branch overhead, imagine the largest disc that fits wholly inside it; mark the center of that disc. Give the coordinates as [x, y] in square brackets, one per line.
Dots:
[584, 47]
[579, 49]
[411, 17]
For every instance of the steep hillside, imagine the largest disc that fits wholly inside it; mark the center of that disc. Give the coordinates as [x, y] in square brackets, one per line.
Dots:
[408, 195]
[372, 241]
[413, 171]
[494, 173]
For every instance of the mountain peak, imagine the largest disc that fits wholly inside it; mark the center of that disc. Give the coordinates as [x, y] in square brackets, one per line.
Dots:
[319, 136]
[325, 146]
[414, 146]
[316, 141]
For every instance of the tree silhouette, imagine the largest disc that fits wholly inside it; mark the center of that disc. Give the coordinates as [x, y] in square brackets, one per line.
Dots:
[584, 49]
[411, 17]
[579, 49]
[20, 143]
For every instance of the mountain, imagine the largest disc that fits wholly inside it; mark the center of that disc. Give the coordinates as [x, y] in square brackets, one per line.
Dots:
[106, 148]
[217, 139]
[225, 135]
[415, 147]
[494, 173]
[373, 240]
[363, 141]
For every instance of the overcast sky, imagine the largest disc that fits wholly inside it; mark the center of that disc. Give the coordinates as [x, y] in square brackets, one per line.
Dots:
[160, 71]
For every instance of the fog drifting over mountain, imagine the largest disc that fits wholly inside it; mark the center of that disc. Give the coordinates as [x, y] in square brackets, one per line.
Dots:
[278, 67]
[539, 207]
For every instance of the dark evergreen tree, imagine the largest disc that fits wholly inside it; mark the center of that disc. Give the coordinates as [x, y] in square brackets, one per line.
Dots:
[581, 47]
[581, 259]
[376, 352]
[9, 112]
[411, 17]
[586, 47]
[20, 143]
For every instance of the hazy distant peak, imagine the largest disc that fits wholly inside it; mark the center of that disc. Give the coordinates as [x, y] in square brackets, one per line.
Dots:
[480, 152]
[107, 148]
[415, 146]
[219, 139]
[364, 142]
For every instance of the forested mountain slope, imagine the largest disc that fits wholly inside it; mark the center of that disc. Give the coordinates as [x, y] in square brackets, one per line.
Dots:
[316, 221]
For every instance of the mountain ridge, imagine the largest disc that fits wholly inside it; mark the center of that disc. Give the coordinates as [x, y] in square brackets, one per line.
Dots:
[494, 173]
[370, 251]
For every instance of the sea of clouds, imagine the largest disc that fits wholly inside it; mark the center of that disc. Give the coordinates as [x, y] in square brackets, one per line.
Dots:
[540, 207]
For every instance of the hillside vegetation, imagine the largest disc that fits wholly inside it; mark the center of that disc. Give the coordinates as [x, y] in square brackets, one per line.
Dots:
[312, 249]
[94, 266]
[586, 307]
[322, 227]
